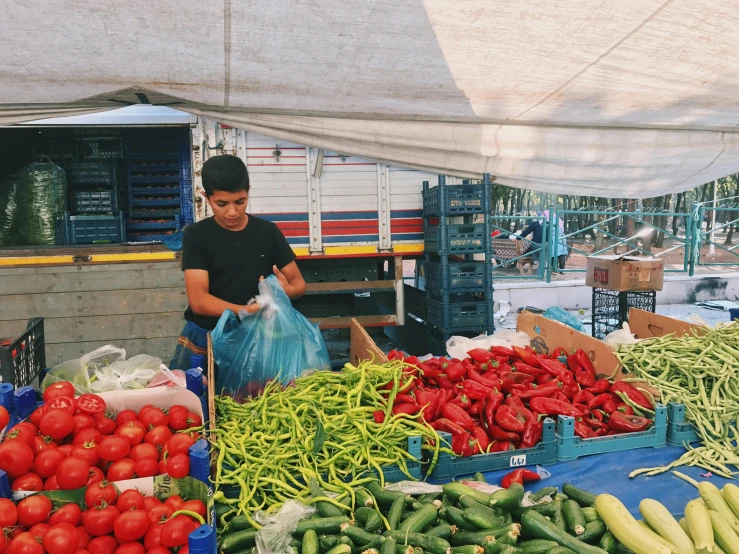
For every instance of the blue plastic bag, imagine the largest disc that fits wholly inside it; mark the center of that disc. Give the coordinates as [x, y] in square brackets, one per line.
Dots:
[277, 341]
[556, 313]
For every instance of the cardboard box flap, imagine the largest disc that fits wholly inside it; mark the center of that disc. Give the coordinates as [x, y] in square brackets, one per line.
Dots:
[363, 347]
[623, 258]
[548, 335]
[646, 325]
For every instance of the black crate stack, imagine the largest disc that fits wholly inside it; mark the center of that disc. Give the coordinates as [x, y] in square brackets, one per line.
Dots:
[459, 289]
[611, 308]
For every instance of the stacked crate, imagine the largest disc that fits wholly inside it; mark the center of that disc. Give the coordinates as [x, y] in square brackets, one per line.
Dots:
[459, 288]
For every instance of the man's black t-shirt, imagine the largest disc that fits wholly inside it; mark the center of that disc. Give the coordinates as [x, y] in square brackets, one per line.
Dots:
[234, 260]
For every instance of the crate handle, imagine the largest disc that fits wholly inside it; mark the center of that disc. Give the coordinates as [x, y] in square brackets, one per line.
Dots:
[469, 268]
[466, 228]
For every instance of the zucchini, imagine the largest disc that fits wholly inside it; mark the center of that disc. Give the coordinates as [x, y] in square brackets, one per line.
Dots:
[590, 514]
[608, 542]
[625, 528]
[340, 549]
[536, 546]
[560, 550]
[558, 517]
[310, 543]
[395, 513]
[358, 535]
[507, 499]
[323, 525]
[542, 493]
[594, 530]
[457, 490]
[241, 540]
[363, 498]
[574, 517]
[699, 524]
[388, 547]
[455, 516]
[421, 519]
[724, 535]
[536, 526]
[731, 496]
[434, 545]
[715, 501]
[327, 543]
[479, 477]
[468, 549]
[326, 509]
[662, 522]
[381, 495]
[482, 517]
[580, 496]
[443, 531]
[478, 537]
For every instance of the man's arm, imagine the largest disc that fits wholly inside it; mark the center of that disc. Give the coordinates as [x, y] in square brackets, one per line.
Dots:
[204, 303]
[291, 280]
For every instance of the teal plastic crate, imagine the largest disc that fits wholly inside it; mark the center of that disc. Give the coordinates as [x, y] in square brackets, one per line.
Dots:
[450, 467]
[571, 447]
[456, 238]
[679, 431]
[452, 200]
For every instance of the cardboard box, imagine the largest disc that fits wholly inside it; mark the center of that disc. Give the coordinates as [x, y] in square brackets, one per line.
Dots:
[625, 273]
[363, 347]
[646, 325]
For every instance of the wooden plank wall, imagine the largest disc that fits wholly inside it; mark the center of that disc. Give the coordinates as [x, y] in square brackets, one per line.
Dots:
[138, 307]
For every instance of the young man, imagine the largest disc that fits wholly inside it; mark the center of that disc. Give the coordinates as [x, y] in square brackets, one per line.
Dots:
[225, 256]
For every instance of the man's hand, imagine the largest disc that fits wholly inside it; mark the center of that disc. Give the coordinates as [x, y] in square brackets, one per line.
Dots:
[294, 284]
[252, 308]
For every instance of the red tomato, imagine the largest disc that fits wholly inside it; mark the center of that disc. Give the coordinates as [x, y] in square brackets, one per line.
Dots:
[16, 458]
[24, 543]
[180, 443]
[87, 451]
[130, 499]
[196, 506]
[99, 521]
[87, 435]
[83, 421]
[84, 536]
[4, 417]
[39, 530]
[184, 550]
[102, 545]
[113, 448]
[22, 433]
[194, 419]
[158, 436]
[151, 502]
[125, 416]
[81, 551]
[159, 550]
[153, 536]
[57, 424]
[41, 443]
[62, 538]
[35, 416]
[46, 463]
[105, 425]
[178, 466]
[51, 484]
[65, 403]
[91, 404]
[28, 482]
[72, 473]
[121, 470]
[176, 530]
[33, 509]
[8, 513]
[178, 418]
[69, 513]
[99, 494]
[131, 526]
[160, 514]
[144, 450]
[3, 543]
[153, 417]
[146, 467]
[95, 476]
[174, 502]
[66, 449]
[132, 432]
[62, 388]
[130, 548]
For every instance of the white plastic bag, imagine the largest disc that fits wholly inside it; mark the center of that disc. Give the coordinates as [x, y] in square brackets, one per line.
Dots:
[275, 535]
[620, 337]
[457, 347]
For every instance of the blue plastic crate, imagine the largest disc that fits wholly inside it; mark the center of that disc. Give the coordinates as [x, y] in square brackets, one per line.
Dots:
[460, 312]
[140, 179]
[82, 201]
[166, 154]
[87, 229]
[450, 200]
[187, 210]
[173, 223]
[450, 467]
[185, 162]
[443, 278]
[679, 431]
[457, 239]
[142, 202]
[159, 214]
[144, 236]
[393, 473]
[92, 173]
[154, 165]
[571, 447]
[145, 191]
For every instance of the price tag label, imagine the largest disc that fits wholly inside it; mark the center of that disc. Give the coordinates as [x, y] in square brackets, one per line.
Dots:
[518, 461]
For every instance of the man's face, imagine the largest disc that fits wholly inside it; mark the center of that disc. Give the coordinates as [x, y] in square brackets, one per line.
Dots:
[229, 208]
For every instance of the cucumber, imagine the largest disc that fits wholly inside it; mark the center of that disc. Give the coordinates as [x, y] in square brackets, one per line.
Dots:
[347, 541]
[326, 509]
[558, 517]
[545, 509]
[241, 540]
[511, 537]
[388, 547]
[478, 537]
[340, 549]
[594, 530]
[482, 517]
[403, 549]
[455, 516]
[608, 542]
[468, 549]
[357, 534]
[479, 477]
[539, 495]
[537, 526]
[434, 545]
[574, 517]
[590, 514]
[446, 500]
[494, 513]
[406, 514]
[373, 523]
[362, 514]
[310, 543]
[323, 525]
[507, 549]
[580, 496]
[327, 543]
[457, 490]
[370, 551]
[507, 499]
[363, 498]
[536, 546]
[428, 498]
[421, 519]
[381, 495]
[443, 531]
[560, 550]
[239, 523]
[490, 545]
[395, 513]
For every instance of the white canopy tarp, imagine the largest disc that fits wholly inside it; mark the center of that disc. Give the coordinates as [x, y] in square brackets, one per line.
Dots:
[623, 99]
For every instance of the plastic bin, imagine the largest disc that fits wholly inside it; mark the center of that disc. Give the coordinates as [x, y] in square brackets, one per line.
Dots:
[22, 358]
[84, 229]
[450, 467]
[155, 202]
[450, 200]
[679, 431]
[444, 278]
[92, 173]
[173, 223]
[611, 308]
[456, 238]
[571, 447]
[81, 201]
[460, 312]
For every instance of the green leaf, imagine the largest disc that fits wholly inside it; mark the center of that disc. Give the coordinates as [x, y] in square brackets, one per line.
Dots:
[320, 438]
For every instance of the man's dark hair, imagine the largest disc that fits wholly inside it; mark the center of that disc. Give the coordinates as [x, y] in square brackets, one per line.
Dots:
[226, 173]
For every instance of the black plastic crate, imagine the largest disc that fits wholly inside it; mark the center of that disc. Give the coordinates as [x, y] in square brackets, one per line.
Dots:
[460, 311]
[611, 308]
[447, 277]
[92, 202]
[82, 229]
[99, 148]
[100, 173]
[456, 239]
[22, 358]
[451, 200]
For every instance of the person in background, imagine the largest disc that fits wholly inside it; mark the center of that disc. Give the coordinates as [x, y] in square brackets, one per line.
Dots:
[225, 256]
[536, 230]
[560, 251]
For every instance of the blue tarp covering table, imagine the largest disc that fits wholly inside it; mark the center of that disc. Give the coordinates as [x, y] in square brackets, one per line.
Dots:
[609, 473]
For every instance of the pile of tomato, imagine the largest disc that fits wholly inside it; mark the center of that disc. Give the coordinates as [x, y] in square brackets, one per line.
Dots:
[70, 443]
[112, 523]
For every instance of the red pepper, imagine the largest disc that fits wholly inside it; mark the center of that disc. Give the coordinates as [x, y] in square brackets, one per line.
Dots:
[457, 415]
[475, 408]
[599, 400]
[532, 434]
[570, 389]
[597, 414]
[502, 351]
[487, 380]
[582, 397]
[379, 415]
[610, 405]
[549, 406]
[523, 414]
[428, 401]
[560, 396]
[405, 398]
[528, 369]
[519, 476]
[624, 408]
[473, 389]
[429, 372]
[541, 379]
[461, 444]
[448, 395]
[483, 440]
[394, 355]
[443, 382]
[636, 396]
[553, 367]
[596, 423]
[447, 426]
[573, 364]
[505, 416]
[489, 405]
[584, 362]
[605, 432]
[526, 356]
[510, 378]
[411, 360]
[583, 431]
[500, 434]
[600, 386]
[619, 421]
[535, 392]
[405, 408]
[481, 355]
[502, 446]
[433, 363]
[585, 379]
[462, 401]
[582, 407]
[559, 352]
[456, 372]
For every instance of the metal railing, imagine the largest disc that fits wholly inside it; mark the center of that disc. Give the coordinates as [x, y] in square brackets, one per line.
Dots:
[710, 214]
